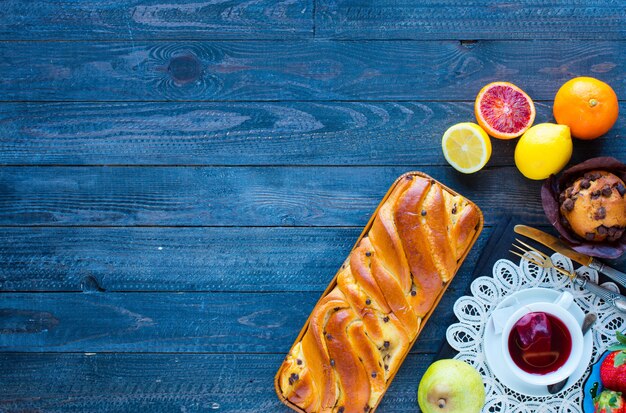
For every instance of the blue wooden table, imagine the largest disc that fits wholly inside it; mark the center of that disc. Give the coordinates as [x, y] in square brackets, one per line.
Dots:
[180, 180]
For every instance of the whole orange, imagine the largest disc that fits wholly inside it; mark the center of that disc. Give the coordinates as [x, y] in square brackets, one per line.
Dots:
[587, 105]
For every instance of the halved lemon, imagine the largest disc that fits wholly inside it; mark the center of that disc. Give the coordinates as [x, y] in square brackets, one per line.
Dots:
[466, 146]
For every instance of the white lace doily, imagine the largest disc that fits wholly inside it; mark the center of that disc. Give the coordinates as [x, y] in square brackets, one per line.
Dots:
[473, 311]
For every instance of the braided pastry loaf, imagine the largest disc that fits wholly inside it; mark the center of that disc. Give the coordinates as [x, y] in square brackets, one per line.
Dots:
[359, 333]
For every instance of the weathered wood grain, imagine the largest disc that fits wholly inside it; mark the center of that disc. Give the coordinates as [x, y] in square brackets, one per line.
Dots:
[177, 259]
[246, 196]
[447, 19]
[255, 133]
[297, 70]
[153, 322]
[471, 20]
[177, 322]
[172, 259]
[164, 383]
[154, 19]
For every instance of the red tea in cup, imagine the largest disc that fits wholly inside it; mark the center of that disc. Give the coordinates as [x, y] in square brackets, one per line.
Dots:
[539, 343]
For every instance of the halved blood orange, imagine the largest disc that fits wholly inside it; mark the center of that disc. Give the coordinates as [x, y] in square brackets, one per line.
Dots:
[503, 110]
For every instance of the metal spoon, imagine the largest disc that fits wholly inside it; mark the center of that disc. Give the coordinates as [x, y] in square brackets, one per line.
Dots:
[587, 323]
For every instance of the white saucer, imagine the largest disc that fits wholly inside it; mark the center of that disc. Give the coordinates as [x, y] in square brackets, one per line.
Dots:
[493, 344]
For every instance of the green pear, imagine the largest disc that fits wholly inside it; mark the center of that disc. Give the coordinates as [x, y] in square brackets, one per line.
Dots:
[451, 386]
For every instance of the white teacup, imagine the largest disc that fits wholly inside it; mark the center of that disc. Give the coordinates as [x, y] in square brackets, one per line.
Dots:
[557, 309]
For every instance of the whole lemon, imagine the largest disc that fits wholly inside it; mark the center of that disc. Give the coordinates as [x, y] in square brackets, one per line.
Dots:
[543, 150]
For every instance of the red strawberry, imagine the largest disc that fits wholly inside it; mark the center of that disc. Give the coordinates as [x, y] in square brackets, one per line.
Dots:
[609, 402]
[613, 368]
[613, 371]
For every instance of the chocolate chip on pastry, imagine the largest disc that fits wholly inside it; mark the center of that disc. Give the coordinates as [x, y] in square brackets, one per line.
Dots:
[392, 280]
[568, 204]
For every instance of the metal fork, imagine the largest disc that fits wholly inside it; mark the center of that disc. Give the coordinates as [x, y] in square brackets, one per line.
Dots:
[544, 261]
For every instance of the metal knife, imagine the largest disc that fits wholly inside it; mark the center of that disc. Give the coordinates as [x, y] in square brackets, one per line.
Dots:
[557, 245]
[615, 299]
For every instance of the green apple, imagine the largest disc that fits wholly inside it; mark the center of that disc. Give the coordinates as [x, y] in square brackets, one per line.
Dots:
[451, 386]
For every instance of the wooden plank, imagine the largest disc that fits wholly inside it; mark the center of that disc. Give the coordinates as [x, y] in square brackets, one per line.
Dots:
[255, 133]
[153, 322]
[250, 196]
[297, 70]
[471, 20]
[177, 322]
[140, 19]
[172, 259]
[177, 259]
[164, 383]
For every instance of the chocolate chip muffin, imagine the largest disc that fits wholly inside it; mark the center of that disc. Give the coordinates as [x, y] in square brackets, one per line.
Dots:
[594, 206]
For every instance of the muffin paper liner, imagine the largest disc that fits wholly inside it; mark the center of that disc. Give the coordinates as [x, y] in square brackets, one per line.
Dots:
[553, 186]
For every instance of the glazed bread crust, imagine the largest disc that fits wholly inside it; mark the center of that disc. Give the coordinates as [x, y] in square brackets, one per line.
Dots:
[360, 332]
